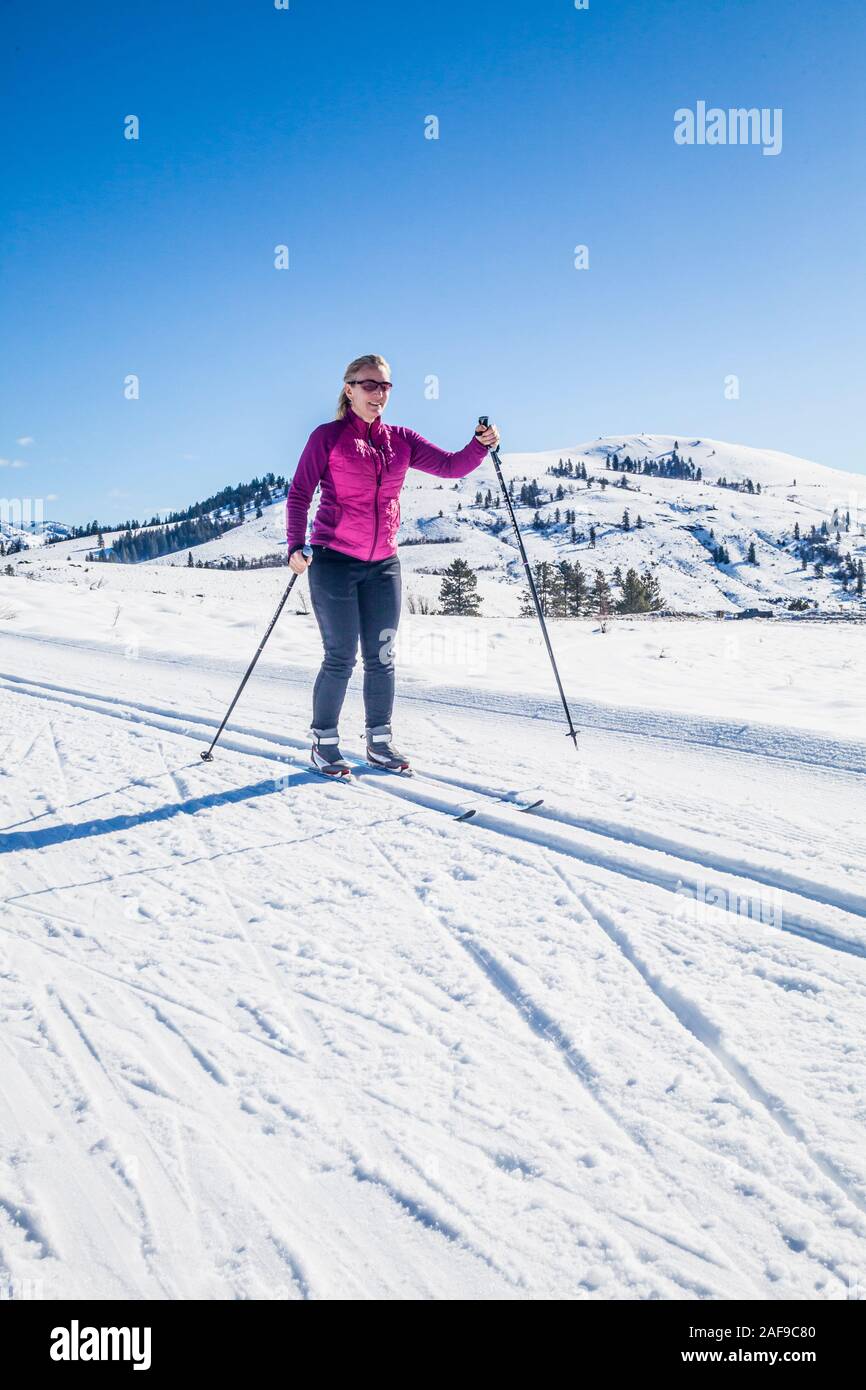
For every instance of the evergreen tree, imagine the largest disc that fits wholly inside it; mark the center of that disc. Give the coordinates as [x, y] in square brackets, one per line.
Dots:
[752, 557]
[640, 593]
[570, 591]
[633, 599]
[457, 592]
[601, 599]
[542, 573]
[626, 524]
[652, 592]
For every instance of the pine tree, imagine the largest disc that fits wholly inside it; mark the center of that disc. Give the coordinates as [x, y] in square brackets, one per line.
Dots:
[601, 598]
[652, 592]
[457, 592]
[544, 587]
[626, 524]
[752, 557]
[633, 598]
[189, 560]
[569, 591]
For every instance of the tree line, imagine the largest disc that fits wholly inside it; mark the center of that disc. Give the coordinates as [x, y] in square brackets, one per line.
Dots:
[129, 549]
[564, 589]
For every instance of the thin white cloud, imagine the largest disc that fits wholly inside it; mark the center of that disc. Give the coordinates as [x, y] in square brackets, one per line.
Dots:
[12, 463]
[26, 439]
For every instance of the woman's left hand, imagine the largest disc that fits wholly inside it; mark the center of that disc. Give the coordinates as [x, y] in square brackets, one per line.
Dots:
[489, 437]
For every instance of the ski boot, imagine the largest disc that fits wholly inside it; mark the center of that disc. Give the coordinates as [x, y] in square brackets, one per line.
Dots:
[381, 751]
[325, 754]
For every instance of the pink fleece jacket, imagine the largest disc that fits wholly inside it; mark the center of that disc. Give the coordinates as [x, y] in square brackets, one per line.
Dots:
[360, 468]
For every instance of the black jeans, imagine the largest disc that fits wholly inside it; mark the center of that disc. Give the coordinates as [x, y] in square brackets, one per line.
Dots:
[351, 599]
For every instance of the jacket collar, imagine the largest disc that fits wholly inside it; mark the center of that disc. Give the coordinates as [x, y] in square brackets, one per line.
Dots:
[358, 426]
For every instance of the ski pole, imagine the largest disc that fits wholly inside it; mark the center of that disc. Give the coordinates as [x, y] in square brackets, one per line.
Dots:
[208, 756]
[494, 454]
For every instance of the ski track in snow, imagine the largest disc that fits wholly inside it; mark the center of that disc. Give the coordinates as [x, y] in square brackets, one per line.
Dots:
[651, 868]
[754, 738]
[269, 1037]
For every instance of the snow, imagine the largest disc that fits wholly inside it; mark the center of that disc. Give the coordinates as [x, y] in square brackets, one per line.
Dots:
[267, 1037]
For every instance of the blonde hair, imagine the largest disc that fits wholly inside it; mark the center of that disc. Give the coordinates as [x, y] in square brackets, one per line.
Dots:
[370, 360]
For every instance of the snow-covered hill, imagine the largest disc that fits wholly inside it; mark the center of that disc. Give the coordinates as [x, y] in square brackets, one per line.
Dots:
[681, 521]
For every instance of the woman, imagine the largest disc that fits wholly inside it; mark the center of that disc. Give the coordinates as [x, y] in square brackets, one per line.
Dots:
[360, 464]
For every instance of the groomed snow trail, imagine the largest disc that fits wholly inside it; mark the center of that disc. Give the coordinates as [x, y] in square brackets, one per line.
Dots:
[268, 1037]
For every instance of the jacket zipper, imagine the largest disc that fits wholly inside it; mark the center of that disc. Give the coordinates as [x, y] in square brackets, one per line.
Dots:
[379, 461]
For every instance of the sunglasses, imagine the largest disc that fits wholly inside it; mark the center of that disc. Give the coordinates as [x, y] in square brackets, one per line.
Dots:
[371, 386]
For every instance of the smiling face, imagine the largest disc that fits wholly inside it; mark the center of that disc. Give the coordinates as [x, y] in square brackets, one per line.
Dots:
[368, 404]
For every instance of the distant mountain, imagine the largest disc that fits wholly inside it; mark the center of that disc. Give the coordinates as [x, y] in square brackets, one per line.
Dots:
[35, 533]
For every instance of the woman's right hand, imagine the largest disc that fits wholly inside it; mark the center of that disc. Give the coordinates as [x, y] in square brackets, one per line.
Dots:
[298, 561]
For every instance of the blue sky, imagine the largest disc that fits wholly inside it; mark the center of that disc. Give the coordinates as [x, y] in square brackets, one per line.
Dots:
[451, 257]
